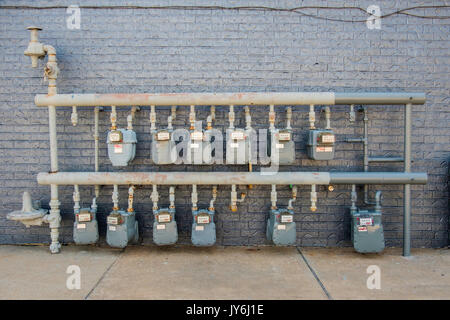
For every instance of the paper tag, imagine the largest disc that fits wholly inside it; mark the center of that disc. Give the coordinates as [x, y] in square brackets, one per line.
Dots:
[279, 146]
[194, 145]
[362, 229]
[161, 227]
[237, 135]
[286, 218]
[202, 219]
[284, 136]
[112, 220]
[162, 136]
[115, 136]
[81, 226]
[281, 227]
[328, 138]
[112, 228]
[197, 135]
[118, 148]
[164, 218]
[234, 145]
[365, 221]
[84, 217]
[199, 228]
[324, 149]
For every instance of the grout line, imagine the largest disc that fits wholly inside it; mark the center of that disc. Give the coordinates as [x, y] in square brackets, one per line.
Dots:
[315, 275]
[104, 274]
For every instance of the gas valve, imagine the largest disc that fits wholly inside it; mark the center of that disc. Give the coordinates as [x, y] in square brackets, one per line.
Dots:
[121, 146]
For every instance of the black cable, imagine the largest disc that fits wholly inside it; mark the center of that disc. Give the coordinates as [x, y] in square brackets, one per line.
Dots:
[296, 10]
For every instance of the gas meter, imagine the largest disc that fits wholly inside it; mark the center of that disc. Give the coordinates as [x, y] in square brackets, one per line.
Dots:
[281, 227]
[320, 144]
[121, 146]
[85, 228]
[165, 230]
[280, 141]
[367, 231]
[163, 147]
[237, 151]
[203, 228]
[122, 228]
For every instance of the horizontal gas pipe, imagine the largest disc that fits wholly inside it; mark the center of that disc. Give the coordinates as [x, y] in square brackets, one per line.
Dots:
[229, 178]
[243, 98]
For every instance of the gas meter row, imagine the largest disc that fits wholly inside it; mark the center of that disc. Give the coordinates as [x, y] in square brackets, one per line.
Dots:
[205, 146]
[122, 226]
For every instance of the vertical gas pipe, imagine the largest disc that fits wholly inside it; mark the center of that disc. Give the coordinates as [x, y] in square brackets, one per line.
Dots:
[407, 187]
[54, 219]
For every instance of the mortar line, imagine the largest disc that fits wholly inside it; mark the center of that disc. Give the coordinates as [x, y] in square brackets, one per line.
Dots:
[315, 275]
[104, 274]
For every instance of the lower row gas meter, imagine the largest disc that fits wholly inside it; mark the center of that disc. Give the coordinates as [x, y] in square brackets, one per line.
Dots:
[165, 230]
[320, 144]
[367, 231]
[122, 228]
[85, 228]
[163, 147]
[280, 144]
[203, 228]
[121, 146]
[281, 227]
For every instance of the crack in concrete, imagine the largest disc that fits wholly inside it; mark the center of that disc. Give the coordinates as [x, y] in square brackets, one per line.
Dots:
[104, 274]
[315, 275]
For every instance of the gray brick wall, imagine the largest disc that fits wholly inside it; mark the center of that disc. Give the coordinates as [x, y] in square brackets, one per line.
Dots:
[226, 51]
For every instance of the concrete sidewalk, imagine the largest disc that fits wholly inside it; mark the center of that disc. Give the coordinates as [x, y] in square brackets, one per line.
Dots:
[185, 272]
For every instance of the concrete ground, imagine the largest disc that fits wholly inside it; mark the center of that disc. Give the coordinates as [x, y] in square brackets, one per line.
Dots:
[185, 272]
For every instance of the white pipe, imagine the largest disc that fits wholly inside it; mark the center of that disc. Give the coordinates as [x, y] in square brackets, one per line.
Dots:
[233, 205]
[172, 197]
[74, 116]
[352, 115]
[313, 198]
[192, 117]
[312, 116]
[272, 117]
[288, 118]
[155, 197]
[248, 118]
[96, 151]
[294, 197]
[174, 112]
[113, 118]
[115, 197]
[214, 197]
[76, 199]
[327, 118]
[194, 197]
[169, 123]
[231, 117]
[213, 113]
[152, 119]
[130, 198]
[273, 196]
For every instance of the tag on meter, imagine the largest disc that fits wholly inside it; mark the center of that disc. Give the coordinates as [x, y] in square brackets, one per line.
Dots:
[327, 138]
[197, 135]
[281, 227]
[287, 218]
[118, 148]
[203, 219]
[84, 217]
[199, 228]
[324, 149]
[81, 226]
[365, 221]
[237, 135]
[284, 136]
[163, 136]
[161, 227]
[115, 136]
[162, 218]
[113, 220]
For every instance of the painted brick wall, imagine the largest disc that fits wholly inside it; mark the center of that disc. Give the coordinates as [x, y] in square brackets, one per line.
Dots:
[139, 51]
